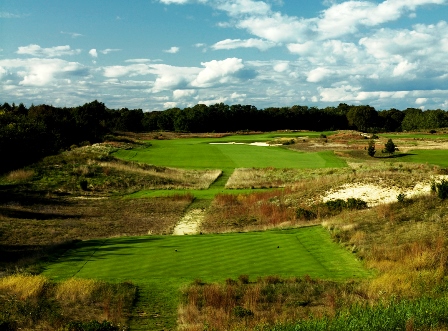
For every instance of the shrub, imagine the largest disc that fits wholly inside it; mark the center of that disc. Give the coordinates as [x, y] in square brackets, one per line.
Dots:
[441, 189]
[389, 147]
[401, 197]
[91, 326]
[351, 203]
[244, 279]
[371, 148]
[83, 184]
[305, 214]
[241, 312]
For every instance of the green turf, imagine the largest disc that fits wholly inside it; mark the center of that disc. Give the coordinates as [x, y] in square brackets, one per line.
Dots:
[200, 154]
[209, 257]
[159, 271]
[434, 156]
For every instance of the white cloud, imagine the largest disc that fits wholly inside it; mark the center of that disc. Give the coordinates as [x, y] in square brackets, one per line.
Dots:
[172, 50]
[109, 50]
[182, 94]
[179, 2]
[137, 69]
[4, 14]
[278, 28]
[218, 72]
[172, 78]
[93, 53]
[345, 17]
[36, 50]
[170, 104]
[262, 45]
[42, 72]
[420, 101]
[138, 61]
[281, 67]
[241, 7]
[318, 74]
[72, 34]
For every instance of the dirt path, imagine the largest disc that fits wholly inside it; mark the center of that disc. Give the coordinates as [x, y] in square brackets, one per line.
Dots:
[189, 224]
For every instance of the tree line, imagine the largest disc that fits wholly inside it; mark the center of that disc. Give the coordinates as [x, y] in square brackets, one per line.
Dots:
[27, 134]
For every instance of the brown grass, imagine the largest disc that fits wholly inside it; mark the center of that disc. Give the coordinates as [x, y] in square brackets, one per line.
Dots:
[20, 175]
[269, 300]
[260, 210]
[24, 286]
[37, 303]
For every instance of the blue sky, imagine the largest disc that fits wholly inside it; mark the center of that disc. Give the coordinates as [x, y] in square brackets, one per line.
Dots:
[158, 54]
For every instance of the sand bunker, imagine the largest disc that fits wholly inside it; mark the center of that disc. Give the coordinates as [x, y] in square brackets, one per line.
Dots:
[377, 194]
[189, 224]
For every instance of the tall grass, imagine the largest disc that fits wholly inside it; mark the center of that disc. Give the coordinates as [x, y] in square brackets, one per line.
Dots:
[36, 303]
[269, 300]
[20, 175]
[24, 286]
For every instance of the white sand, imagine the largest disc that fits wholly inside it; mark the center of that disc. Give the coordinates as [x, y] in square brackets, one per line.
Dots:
[189, 224]
[377, 194]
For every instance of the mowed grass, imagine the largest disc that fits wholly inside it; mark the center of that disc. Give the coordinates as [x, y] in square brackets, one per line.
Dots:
[435, 157]
[307, 251]
[198, 153]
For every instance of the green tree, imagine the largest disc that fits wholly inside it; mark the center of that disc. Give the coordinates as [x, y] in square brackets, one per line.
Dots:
[371, 148]
[389, 147]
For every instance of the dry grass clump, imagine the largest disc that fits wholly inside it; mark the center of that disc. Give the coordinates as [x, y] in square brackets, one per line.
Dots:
[261, 210]
[76, 290]
[173, 178]
[270, 300]
[20, 175]
[35, 303]
[271, 177]
[24, 286]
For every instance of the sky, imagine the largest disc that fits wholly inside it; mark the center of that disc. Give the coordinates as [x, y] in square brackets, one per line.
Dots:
[160, 54]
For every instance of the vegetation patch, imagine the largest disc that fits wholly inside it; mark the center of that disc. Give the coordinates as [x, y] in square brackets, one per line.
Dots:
[34, 302]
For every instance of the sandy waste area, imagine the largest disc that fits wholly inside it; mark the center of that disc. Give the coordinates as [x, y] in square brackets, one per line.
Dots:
[375, 194]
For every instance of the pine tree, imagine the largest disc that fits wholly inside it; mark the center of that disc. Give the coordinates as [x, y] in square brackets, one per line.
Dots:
[389, 147]
[371, 149]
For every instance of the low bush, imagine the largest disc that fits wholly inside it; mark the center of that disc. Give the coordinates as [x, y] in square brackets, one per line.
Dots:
[351, 204]
[92, 326]
[441, 189]
[305, 214]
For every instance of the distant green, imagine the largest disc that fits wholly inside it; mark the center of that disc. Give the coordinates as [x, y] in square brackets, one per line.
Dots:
[180, 259]
[198, 153]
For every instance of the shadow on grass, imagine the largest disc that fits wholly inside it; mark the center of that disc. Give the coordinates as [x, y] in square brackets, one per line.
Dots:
[23, 214]
[394, 156]
[23, 195]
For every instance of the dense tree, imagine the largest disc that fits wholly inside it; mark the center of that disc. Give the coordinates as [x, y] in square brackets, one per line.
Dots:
[362, 118]
[389, 147]
[371, 151]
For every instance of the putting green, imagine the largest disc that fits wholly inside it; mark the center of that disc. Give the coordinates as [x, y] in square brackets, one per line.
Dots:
[199, 153]
[298, 252]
